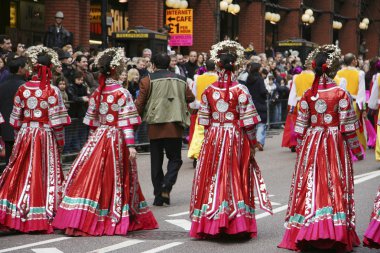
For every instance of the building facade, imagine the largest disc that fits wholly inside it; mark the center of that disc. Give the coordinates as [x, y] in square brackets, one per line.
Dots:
[27, 20]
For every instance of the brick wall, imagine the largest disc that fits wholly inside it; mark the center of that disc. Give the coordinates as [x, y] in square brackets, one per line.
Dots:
[372, 35]
[252, 25]
[76, 20]
[147, 13]
[321, 29]
[204, 30]
[348, 35]
[289, 25]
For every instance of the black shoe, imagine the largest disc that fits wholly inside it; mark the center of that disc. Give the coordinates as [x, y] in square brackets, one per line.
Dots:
[293, 149]
[158, 201]
[165, 196]
[194, 163]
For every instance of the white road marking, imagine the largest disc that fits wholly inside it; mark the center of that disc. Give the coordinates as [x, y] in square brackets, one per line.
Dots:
[34, 244]
[179, 214]
[117, 246]
[164, 247]
[47, 250]
[276, 210]
[368, 176]
[185, 224]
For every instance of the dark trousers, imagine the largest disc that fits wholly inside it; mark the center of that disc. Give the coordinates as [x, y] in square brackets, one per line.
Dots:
[8, 152]
[172, 147]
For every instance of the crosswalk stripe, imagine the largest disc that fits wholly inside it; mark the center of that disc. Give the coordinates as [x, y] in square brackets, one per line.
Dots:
[178, 214]
[185, 224]
[117, 246]
[47, 250]
[35, 244]
[164, 247]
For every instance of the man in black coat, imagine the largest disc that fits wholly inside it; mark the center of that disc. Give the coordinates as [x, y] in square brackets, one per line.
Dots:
[57, 35]
[8, 89]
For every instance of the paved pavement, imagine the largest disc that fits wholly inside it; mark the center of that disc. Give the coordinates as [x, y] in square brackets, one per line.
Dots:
[277, 165]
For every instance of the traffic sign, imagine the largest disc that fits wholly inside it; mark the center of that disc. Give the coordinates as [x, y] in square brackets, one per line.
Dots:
[180, 22]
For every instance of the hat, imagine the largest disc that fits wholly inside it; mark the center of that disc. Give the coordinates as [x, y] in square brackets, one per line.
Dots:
[59, 14]
[63, 55]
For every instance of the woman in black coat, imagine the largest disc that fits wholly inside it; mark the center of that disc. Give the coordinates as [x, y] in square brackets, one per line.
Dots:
[256, 87]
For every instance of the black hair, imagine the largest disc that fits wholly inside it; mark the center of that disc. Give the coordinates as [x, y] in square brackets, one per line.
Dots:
[254, 67]
[79, 57]
[14, 63]
[60, 79]
[227, 61]
[77, 74]
[264, 71]
[210, 65]
[320, 59]
[161, 60]
[4, 37]
[104, 64]
[44, 59]
[349, 58]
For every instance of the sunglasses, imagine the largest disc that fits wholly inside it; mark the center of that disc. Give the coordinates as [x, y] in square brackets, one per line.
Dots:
[131, 67]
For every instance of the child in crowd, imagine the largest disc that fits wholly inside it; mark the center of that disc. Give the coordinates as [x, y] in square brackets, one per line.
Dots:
[61, 83]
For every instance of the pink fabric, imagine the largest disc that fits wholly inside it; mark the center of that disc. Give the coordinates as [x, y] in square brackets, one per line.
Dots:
[320, 235]
[353, 157]
[207, 228]
[371, 134]
[372, 235]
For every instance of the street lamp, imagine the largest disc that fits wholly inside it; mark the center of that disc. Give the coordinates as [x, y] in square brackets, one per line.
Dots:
[308, 18]
[228, 6]
[364, 24]
[177, 4]
[273, 18]
[337, 25]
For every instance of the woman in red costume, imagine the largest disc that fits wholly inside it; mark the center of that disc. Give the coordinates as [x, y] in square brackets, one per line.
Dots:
[102, 194]
[372, 234]
[30, 187]
[321, 210]
[222, 200]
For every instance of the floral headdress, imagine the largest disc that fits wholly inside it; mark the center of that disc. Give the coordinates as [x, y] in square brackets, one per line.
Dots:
[43, 72]
[227, 46]
[118, 57]
[329, 68]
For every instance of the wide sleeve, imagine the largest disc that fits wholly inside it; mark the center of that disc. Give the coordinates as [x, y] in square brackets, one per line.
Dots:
[1, 119]
[303, 118]
[204, 111]
[92, 115]
[349, 124]
[248, 115]
[361, 97]
[292, 100]
[128, 116]
[373, 101]
[15, 120]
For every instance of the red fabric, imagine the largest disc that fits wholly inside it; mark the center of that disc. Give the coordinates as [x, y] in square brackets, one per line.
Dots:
[193, 119]
[289, 138]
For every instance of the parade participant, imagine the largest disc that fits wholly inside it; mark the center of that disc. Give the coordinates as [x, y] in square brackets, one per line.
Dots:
[372, 234]
[222, 200]
[373, 104]
[162, 100]
[201, 84]
[102, 195]
[30, 187]
[355, 85]
[321, 209]
[301, 82]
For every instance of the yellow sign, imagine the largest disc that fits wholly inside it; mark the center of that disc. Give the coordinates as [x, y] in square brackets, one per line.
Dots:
[132, 35]
[180, 22]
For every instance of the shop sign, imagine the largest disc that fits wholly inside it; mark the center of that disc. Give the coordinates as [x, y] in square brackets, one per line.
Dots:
[180, 22]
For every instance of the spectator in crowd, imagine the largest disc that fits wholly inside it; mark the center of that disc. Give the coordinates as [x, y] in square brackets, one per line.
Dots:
[256, 86]
[4, 72]
[67, 68]
[20, 49]
[147, 53]
[363, 50]
[274, 103]
[5, 45]
[166, 119]
[57, 35]
[61, 83]
[191, 66]
[78, 94]
[173, 66]
[8, 88]
[200, 60]
[133, 82]
[141, 67]
[123, 78]
[180, 64]
[283, 92]
[82, 65]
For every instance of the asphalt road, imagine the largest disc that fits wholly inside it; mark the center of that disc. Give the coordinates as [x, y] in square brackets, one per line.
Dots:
[276, 164]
